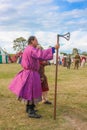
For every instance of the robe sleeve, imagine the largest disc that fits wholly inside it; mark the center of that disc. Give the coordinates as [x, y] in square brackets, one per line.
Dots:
[42, 54]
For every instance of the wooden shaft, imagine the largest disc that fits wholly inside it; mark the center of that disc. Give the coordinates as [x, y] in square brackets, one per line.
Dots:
[56, 74]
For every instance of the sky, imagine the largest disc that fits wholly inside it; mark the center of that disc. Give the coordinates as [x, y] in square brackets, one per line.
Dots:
[44, 19]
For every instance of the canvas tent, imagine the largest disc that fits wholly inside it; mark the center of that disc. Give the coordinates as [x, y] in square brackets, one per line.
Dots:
[3, 56]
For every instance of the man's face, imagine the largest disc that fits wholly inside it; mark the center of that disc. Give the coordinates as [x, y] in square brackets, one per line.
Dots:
[35, 42]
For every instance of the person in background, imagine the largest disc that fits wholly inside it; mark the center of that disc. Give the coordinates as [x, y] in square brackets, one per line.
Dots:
[27, 83]
[77, 61]
[44, 82]
[64, 61]
[68, 61]
[83, 61]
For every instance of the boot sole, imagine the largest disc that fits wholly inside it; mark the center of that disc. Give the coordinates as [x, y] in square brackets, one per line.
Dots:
[35, 116]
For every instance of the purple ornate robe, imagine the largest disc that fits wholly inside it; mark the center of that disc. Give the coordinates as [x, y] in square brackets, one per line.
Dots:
[27, 84]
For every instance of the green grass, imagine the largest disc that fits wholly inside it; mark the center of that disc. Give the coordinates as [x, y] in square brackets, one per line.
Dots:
[71, 112]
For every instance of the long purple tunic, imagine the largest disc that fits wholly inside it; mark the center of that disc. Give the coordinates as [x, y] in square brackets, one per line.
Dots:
[26, 84]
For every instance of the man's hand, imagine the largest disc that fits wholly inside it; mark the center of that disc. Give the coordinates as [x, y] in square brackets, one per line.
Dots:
[57, 46]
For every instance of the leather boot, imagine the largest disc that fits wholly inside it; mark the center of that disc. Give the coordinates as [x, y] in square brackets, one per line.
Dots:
[32, 113]
[29, 106]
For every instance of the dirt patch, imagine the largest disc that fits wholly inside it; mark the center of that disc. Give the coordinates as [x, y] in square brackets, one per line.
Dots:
[76, 124]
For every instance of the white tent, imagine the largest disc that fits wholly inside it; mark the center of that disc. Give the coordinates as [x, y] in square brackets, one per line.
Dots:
[3, 56]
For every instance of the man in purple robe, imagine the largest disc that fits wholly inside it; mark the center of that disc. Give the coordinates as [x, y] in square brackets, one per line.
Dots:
[27, 84]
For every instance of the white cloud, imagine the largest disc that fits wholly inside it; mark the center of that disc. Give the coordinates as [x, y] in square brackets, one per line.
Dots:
[72, 1]
[78, 40]
[4, 5]
[9, 36]
[45, 19]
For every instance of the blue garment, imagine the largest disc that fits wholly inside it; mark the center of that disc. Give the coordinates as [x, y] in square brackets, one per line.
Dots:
[53, 50]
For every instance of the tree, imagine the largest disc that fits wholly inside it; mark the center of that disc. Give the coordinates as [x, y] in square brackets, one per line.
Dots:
[19, 44]
[63, 53]
[74, 51]
[84, 53]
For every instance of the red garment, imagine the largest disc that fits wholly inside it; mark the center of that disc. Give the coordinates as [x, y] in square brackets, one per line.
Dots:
[44, 82]
[83, 57]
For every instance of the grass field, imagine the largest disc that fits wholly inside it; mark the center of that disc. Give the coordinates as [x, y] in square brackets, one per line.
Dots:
[71, 113]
